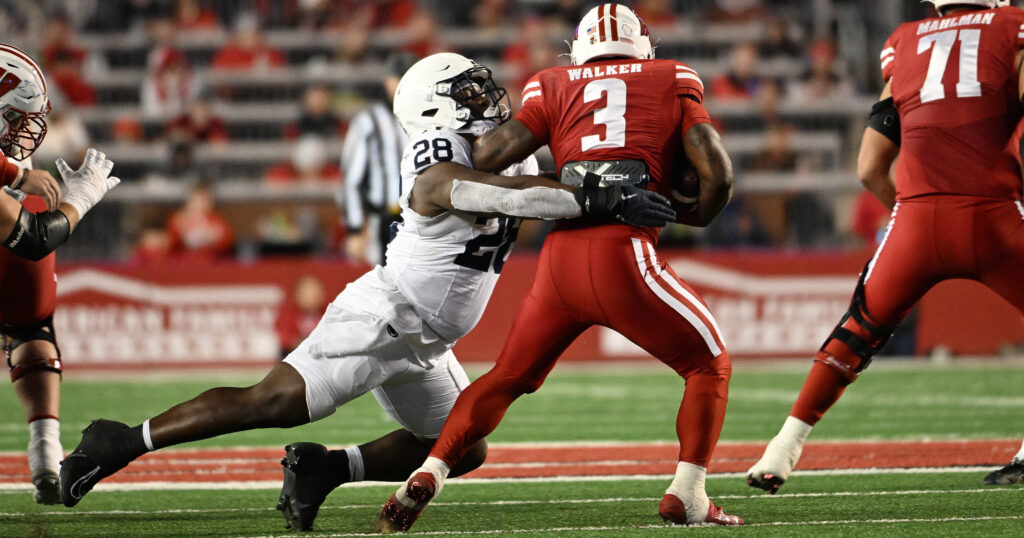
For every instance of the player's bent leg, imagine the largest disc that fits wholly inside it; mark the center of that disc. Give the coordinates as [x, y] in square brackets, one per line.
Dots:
[35, 370]
[107, 446]
[847, 352]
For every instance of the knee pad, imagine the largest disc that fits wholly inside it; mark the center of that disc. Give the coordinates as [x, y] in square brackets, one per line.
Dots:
[856, 339]
[45, 364]
[16, 336]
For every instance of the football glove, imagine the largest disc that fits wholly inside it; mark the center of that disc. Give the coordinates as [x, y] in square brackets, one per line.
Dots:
[625, 203]
[89, 183]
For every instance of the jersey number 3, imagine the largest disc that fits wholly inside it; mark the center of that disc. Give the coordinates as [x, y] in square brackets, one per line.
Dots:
[941, 44]
[612, 116]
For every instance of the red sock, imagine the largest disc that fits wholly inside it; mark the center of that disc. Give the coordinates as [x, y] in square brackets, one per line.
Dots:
[702, 413]
[823, 387]
[477, 412]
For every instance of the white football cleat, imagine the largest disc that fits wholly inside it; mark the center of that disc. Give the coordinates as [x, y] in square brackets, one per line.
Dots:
[775, 465]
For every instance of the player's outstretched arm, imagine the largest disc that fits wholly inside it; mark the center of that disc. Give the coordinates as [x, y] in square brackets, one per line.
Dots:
[503, 146]
[35, 236]
[451, 186]
[703, 147]
[879, 147]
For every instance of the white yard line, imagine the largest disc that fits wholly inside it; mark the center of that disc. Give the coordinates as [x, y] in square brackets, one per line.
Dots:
[12, 487]
[554, 530]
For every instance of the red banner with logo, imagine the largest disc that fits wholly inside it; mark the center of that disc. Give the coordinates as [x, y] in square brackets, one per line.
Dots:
[768, 304]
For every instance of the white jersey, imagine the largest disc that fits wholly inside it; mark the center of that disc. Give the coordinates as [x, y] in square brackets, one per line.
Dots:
[446, 266]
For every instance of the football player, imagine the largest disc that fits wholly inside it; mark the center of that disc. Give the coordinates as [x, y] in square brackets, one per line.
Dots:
[951, 100]
[616, 115]
[391, 331]
[33, 226]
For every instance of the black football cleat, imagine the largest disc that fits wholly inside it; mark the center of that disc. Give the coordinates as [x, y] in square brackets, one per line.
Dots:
[1011, 474]
[306, 484]
[96, 457]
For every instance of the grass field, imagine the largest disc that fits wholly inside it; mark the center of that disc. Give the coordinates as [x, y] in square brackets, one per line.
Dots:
[891, 402]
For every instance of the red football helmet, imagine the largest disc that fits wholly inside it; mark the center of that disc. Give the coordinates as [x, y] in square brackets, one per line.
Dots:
[23, 103]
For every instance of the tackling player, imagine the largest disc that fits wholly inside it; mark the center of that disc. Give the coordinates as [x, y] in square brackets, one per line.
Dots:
[391, 331]
[619, 113]
[32, 228]
[951, 101]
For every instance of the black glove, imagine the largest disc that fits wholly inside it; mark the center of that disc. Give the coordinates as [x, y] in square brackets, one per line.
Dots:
[626, 203]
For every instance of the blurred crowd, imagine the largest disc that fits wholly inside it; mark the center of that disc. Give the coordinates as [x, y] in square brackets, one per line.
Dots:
[781, 58]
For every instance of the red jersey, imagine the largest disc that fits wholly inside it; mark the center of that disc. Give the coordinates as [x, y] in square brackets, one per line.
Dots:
[954, 83]
[28, 289]
[615, 109]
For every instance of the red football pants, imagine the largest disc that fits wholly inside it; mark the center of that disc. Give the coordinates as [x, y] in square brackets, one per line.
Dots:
[930, 239]
[602, 276]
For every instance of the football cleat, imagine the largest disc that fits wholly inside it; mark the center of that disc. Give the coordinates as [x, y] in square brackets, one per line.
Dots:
[402, 509]
[306, 484]
[47, 487]
[96, 457]
[775, 465]
[671, 509]
[1011, 474]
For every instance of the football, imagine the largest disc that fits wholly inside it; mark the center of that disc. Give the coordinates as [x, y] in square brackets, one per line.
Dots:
[685, 187]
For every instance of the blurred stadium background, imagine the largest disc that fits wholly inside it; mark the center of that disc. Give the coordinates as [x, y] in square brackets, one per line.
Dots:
[244, 105]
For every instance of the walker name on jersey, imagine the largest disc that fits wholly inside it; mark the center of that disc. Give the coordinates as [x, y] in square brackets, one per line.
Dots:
[603, 71]
[953, 22]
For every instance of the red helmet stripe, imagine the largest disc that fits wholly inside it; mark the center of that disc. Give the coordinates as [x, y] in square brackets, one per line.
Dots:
[614, 23]
[600, 23]
[28, 59]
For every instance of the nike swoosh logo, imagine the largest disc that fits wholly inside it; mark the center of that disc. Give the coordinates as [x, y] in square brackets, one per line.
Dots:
[74, 490]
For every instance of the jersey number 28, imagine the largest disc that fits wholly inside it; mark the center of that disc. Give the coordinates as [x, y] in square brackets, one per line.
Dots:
[941, 44]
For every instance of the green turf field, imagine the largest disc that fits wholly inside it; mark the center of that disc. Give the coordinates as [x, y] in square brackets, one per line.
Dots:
[892, 401]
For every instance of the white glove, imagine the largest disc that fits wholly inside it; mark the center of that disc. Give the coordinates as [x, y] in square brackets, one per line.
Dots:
[89, 183]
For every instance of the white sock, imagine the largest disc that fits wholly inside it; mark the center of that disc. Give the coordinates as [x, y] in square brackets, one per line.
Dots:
[688, 485]
[438, 468]
[147, 439]
[1020, 453]
[794, 430]
[44, 450]
[356, 470]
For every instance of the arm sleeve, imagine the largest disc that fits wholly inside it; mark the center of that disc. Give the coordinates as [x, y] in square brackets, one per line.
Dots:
[887, 58]
[8, 172]
[693, 113]
[688, 83]
[690, 92]
[533, 113]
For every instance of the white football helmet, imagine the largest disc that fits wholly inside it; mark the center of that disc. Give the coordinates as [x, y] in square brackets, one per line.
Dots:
[940, 4]
[23, 103]
[610, 30]
[448, 90]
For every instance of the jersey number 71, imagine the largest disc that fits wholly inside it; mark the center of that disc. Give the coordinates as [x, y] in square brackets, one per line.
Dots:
[941, 44]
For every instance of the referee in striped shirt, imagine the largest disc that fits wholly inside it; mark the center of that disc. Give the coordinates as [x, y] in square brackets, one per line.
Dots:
[370, 157]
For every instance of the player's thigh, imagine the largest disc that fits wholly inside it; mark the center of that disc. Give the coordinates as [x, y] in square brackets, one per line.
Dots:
[28, 289]
[905, 265]
[345, 357]
[1003, 267]
[420, 399]
[649, 304]
[541, 331]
